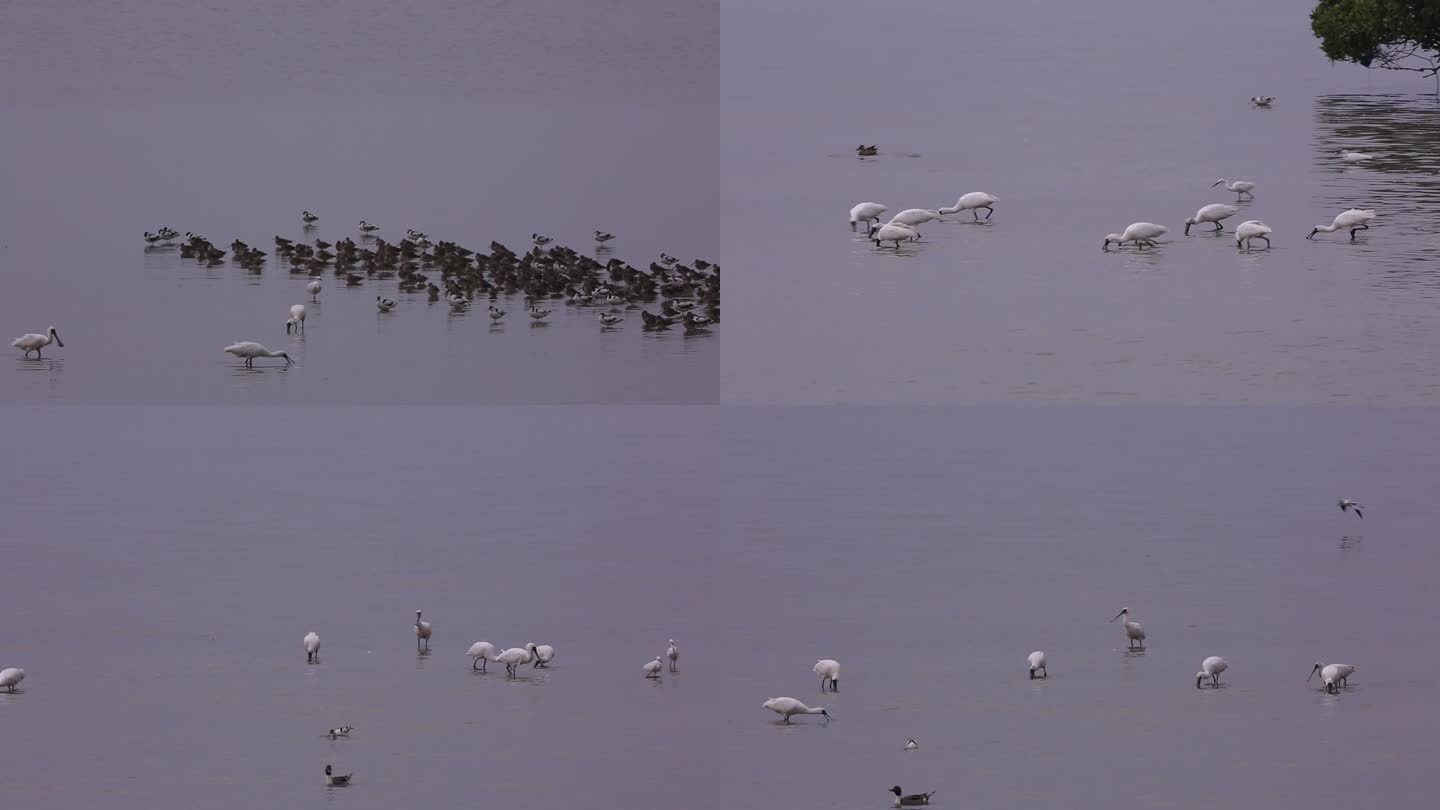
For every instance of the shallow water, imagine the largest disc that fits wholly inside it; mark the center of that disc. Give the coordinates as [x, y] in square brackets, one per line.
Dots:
[1081, 118]
[158, 607]
[228, 121]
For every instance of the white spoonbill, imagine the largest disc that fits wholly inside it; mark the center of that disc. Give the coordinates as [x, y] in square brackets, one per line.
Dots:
[829, 670]
[483, 652]
[1333, 676]
[914, 216]
[1251, 229]
[10, 678]
[1355, 219]
[312, 647]
[332, 779]
[514, 658]
[1353, 157]
[544, 653]
[34, 343]
[1346, 503]
[673, 654]
[422, 631]
[1141, 233]
[297, 319]
[314, 289]
[892, 232]
[1240, 187]
[866, 212]
[1133, 631]
[652, 669]
[250, 350]
[1211, 213]
[787, 706]
[973, 202]
[1211, 668]
[901, 800]
[1037, 664]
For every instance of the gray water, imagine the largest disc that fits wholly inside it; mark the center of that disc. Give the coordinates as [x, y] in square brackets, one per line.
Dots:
[158, 607]
[1081, 118]
[471, 124]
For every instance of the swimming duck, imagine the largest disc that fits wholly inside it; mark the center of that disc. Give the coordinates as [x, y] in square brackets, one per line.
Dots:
[901, 800]
[866, 151]
[332, 778]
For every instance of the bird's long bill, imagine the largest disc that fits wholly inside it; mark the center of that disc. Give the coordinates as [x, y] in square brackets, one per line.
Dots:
[1216, 183]
[288, 361]
[1118, 615]
[58, 341]
[1312, 674]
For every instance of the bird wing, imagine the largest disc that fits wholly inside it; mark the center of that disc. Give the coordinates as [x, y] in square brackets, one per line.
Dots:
[1358, 513]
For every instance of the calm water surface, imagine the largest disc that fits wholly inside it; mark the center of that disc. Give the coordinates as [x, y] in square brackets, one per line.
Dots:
[469, 123]
[1081, 118]
[158, 606]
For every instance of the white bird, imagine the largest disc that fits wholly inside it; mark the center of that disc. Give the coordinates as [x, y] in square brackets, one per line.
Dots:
[1133, 631]
[308, 217]
[892, 233]
[1355, 219]
[1333, 676]
[1211, 213]
[1262, 101]
[10, 678]
[312, 647]
[1252, 229]
[544, 653]
[973, 202]
[1141, 233]
[1240, 187]
[914, 216]
[367, 227]
[608, 318]
[602, 237]
[297, 319]
[866, 212]
[652, 669]
[314, 289]
[1353, 157]
[384, 304]
[912, 745]
[1211, 668]
[514, 658]
[422, 631]
[1037, 664]
[483, 652]
[496, 313]
[34, 343]
[341, 731]
[787, 706]
[1346, 503]
[673, 654]
[152, 238]
[332, 778]
[829, 670]
[538, 313]
[250, 350]
[458, 301]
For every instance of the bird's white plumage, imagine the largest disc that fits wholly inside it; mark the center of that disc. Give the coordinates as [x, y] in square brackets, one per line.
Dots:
[672, 653]
[866, 212]
[788, 706]
[544, 653]
[34, 343]
[1211, 668]
[312, 646]
[1133, 630]
[313, 288]
[422, 631]
[1211, 213]
[1141, 233]
[483, 652]
[297, 319]
[514, 657]
[915, 216]
[1240, 187]
[10, 678]
[1332, 675]
[1353, 219]
[1037, 663]
[829, 670]
[1353, 157]
[248, 350]
[652, 669]
[893, 232]
[972, 202]
[1252, 229]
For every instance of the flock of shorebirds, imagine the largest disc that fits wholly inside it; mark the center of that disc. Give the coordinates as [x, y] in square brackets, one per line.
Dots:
[688, 295]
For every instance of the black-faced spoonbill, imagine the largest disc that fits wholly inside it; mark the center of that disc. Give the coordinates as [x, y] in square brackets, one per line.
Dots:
[1211, 213]
[673, 653]
[34, 343]
[901, 800]
[914, 216]
[544, 653]
[514, 658]
[333, 779]
[250, 350]
[973, 202]
[1355, 219]
[652, 669]
[314, 289]
[422, 631]
[1037, 664]
[866, 212]
[829, 670]
[10, 678]
[1211, 668]
[312, 647]
[787, 706]
[483, 652]
[1240, 187]
[297, 319]
[1346, 503]
[892, 233]
[1251, 229]
[1141, 233]
[1333, 676]
[1133, 631]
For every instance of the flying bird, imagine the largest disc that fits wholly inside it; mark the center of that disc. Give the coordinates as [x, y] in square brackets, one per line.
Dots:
[1346, 503]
